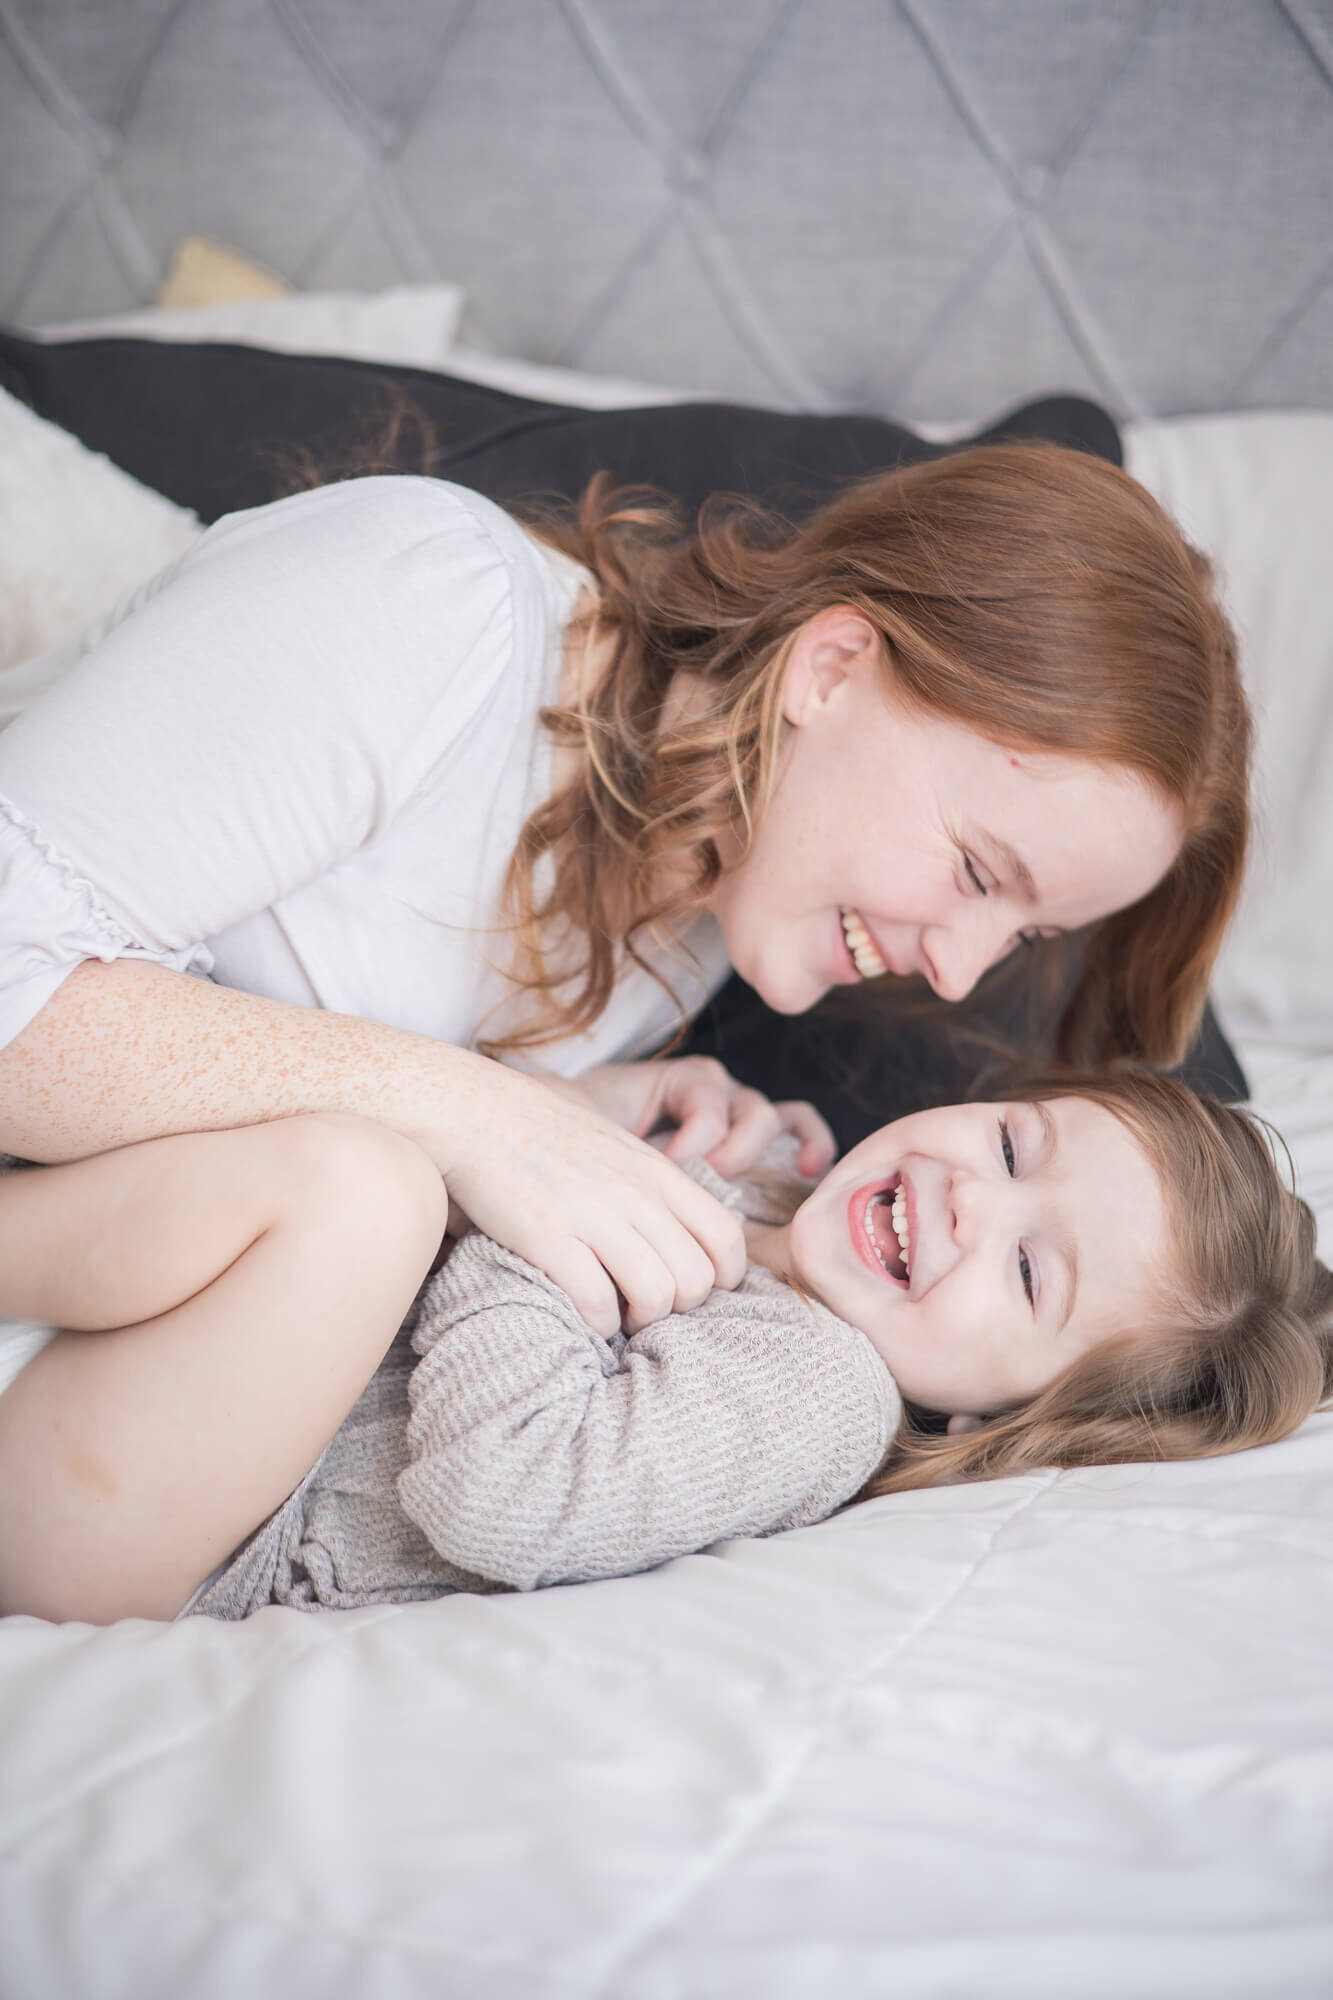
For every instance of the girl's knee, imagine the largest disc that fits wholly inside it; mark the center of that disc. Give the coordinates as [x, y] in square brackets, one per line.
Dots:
[341, 1168]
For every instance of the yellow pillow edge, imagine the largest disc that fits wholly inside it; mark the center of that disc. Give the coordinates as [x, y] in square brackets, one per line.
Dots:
[205, 273]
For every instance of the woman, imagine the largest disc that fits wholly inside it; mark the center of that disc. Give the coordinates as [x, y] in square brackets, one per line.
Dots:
[411, 783]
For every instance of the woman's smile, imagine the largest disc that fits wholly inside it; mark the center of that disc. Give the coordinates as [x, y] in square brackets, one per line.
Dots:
[867, 960]
[880, 849]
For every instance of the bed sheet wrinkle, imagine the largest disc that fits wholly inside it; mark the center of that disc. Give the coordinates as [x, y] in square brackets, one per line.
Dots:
[220, 1680]
[1313, 1537]
[1112, 1964]
[245, 1952]
[674, 1910]
[1270, 1797]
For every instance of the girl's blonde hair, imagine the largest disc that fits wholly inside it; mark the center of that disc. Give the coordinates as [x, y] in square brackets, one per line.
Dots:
[1246, 1351]
[1035, 594]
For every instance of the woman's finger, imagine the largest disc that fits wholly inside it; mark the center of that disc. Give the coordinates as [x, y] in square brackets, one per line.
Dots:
[819, 1148]
[688, 1264]
[755, 1124]
[584, 1278]
[718, 1232]
[646, 1281]
[702, 1126]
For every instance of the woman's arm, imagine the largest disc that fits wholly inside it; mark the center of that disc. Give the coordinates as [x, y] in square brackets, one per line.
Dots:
[259, 716]
[129, 1051]
[536, 1455]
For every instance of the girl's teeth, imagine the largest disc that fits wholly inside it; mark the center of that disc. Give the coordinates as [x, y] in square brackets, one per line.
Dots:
[860, 944]
[900, 1224]
[898, 1216]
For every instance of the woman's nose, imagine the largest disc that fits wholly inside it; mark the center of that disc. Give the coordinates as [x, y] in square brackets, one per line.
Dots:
[957, 955]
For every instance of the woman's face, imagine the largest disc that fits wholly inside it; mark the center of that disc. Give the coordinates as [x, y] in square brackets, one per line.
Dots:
[899, 841]
[983, 1248]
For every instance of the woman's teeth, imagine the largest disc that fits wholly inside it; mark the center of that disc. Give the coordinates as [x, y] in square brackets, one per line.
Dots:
[861, 945]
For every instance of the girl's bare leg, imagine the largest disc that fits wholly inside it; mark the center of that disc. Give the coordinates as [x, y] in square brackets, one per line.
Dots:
[253, 1279]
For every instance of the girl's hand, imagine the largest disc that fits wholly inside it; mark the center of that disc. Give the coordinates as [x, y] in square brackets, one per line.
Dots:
[546, 1172]
[716, 1118]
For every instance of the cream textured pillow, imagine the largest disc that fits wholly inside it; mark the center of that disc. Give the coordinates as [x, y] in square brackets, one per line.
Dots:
[1256, 492]
[205, 273]
[76, 533]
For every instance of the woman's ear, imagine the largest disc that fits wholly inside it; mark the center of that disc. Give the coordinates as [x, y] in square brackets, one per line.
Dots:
[960, 1426]
[826, 652]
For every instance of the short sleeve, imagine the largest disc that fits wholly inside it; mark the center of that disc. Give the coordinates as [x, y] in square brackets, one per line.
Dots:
[51, 921]
[262, 713]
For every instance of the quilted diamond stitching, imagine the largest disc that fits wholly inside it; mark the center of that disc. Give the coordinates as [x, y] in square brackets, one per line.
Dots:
[103, 174]
[687, 171]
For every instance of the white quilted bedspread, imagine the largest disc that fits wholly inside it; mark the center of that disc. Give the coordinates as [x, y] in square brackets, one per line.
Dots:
[1060, 1736]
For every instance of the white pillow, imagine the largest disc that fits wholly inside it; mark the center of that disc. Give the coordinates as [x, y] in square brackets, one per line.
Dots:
[562, 385]
[1256, 493]
[76, 533]
[410, 325]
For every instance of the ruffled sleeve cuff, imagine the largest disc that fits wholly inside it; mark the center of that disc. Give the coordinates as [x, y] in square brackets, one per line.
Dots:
[51, 921]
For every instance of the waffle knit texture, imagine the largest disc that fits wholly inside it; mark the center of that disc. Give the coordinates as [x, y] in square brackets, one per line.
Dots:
[503, 1444]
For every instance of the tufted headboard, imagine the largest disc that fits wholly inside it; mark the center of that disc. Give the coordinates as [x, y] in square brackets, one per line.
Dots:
[929, 208]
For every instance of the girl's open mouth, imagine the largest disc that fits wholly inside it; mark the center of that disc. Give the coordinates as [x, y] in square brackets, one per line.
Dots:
[877, 1220]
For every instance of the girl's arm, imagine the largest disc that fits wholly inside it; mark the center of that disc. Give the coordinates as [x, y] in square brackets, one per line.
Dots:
[129, 1051]
[536, 1455]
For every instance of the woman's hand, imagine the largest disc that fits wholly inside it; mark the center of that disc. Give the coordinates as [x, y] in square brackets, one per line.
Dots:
[552, 1176]
[716, 1118]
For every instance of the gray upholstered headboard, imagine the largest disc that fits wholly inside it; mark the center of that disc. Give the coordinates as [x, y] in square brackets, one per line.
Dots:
[927, 208]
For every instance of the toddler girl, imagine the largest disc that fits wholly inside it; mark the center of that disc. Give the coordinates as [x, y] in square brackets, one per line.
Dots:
[1094, 1271]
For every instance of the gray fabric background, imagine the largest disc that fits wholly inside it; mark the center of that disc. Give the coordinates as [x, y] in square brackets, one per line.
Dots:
[927, 209]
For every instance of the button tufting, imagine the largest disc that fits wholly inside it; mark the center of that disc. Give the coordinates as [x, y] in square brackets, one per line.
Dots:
[1034, 181]
[690, 170]
[859, 189]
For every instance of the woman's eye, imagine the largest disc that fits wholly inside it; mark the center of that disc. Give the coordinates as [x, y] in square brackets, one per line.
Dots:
[1007, 1148]
[970, 869]
[1025, 1273]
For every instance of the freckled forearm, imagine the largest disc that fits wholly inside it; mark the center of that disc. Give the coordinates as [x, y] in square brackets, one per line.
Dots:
[127, 1051]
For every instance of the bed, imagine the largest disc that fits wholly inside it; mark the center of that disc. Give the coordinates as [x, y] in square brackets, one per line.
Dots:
[1059, 1736]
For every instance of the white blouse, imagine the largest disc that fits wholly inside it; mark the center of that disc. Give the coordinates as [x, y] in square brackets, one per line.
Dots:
[298, 762]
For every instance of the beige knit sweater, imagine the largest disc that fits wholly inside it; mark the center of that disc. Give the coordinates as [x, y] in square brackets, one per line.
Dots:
[504, 1444]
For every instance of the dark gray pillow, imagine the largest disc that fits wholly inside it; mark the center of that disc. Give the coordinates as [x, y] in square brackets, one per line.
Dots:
[221, 427]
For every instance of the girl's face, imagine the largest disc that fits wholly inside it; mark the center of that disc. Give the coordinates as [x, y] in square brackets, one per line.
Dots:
[899, 841]
[983, 1248]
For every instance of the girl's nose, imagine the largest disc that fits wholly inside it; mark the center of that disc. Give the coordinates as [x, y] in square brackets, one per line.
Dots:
[978, 1207]
[964, 1198]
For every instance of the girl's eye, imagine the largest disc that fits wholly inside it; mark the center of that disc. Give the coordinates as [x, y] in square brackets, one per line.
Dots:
[1029, 938]
[1025, 1273]
[1007, 1148]
[970, 869]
